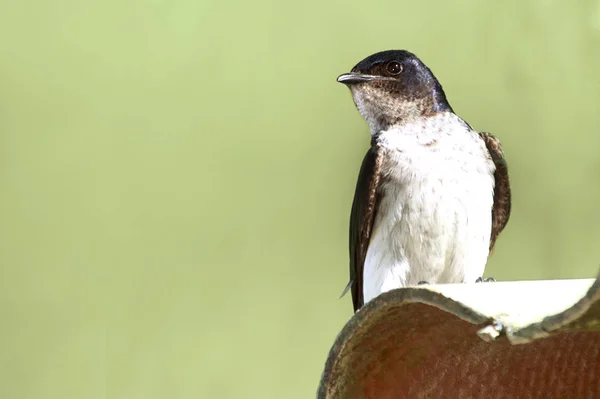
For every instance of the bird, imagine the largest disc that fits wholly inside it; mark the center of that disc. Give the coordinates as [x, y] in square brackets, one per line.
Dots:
[432, 195]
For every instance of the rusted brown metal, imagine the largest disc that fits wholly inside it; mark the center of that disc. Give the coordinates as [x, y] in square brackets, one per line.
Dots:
[420, 343]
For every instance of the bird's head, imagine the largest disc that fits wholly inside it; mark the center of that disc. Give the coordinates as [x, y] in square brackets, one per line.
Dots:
[393, 86]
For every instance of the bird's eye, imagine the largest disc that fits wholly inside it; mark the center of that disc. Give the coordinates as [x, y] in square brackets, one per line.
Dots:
[394, 67]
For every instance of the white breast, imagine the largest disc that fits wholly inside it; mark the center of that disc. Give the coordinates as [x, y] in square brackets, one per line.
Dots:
[434, 217]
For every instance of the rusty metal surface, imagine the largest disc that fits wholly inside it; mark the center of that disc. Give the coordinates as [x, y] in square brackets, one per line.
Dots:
[415, 343]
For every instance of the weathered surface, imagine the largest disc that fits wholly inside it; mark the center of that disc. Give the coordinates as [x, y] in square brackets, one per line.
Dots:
[427, 343]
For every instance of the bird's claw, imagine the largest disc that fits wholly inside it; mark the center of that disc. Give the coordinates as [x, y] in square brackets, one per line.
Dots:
[422, 283]
[485, 280]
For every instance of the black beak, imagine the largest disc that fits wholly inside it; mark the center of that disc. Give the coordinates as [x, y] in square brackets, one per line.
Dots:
[353, 77]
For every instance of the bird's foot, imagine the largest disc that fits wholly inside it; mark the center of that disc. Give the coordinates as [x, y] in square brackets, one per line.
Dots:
[422, 283]
[485, 280]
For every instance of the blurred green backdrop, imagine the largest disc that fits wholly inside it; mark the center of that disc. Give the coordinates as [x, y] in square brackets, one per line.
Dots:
[176, 177]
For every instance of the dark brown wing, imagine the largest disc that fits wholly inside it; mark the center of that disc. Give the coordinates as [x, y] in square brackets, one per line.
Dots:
[501, 208]
[361, 220]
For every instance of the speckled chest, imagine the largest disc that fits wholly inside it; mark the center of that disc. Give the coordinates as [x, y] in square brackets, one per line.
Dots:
[441, 149]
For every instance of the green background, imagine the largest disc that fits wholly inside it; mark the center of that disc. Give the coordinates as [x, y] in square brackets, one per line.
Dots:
[176, 177]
